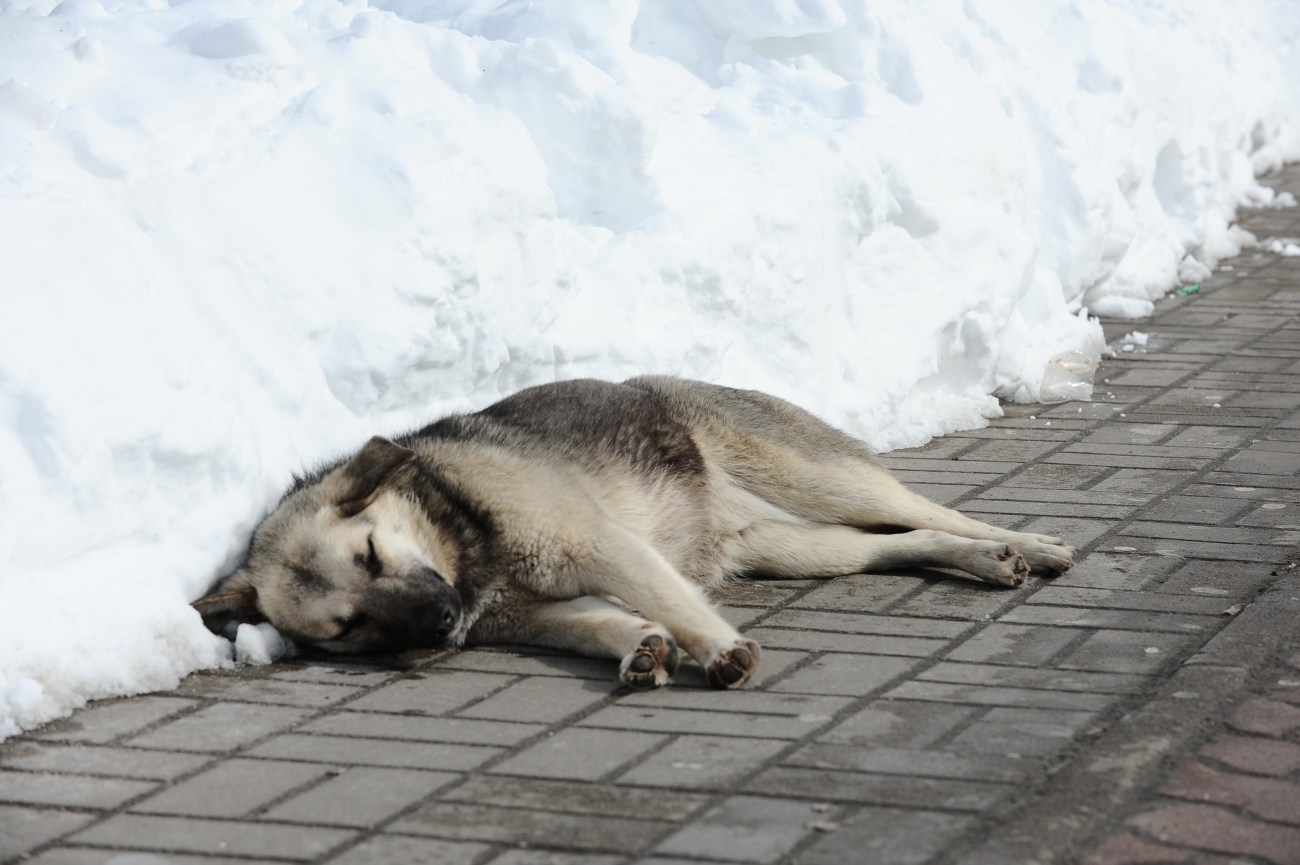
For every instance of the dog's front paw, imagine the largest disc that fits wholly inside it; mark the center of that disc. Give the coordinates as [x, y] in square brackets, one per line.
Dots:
[1046, 555]
[651, 664]
[732, 666]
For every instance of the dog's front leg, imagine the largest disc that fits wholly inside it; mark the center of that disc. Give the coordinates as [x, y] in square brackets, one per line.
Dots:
[627, 567]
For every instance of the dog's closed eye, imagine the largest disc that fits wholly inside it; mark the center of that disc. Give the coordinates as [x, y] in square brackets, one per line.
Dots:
[372, 563]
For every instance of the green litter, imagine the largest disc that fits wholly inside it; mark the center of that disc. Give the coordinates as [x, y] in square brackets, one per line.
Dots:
[1191, 289]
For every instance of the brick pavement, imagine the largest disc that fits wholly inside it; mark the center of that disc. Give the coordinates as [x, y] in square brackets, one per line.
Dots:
[1144, 708]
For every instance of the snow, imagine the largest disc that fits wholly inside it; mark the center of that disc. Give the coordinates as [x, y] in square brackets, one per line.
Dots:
[241, 236]
[1287, 246]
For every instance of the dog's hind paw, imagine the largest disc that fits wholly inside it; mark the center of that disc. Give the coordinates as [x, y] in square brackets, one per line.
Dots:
[651, 664]
[731, 667]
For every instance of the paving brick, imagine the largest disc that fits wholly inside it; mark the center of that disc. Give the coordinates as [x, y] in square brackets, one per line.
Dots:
[1220, 534]
[468, 822]
[820, 785]
[1258, 460]
[1209, 437]
[363, 796]
[702, 762]
[912, 762]
[467, 731]
[431, 692]
[1020, 732]
[985, 695]
[1122, 571]
[712, 723]
[1075, 531]
[899, 724]
[1148, 481]
[751, 702]
[221, 727]
[1196, 509]
[234, 788]
[277, 691]
[213, 837]
[858, 593]
[852, 675]
[579, 754]
[830, 641]
[93, 760]
[105, 722]
[359, 675]
[1258, 756]
[1192, 549]
[1266, 717]
[1124, 848]
[900, 837]
[957, 599]
[850, 623]
[1070, 596]
[548, 857]
[526, 663]
[542, 699]
[1216, 829]
[1133, 652]
[404, 850]
[1136, 620]
[346, 751]
[576, 797]
[68, 791]
[746, 829]
[21, 829]
[1221, 579]
[1058, 476]
[66, 855]
[1024, 677]
[1026, 645]
[1266, 798]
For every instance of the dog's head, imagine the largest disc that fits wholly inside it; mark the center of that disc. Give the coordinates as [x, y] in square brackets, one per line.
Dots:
[348, 563]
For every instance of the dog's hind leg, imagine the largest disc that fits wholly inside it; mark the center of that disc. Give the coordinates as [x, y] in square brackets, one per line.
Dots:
[594, 627]
[782, 549]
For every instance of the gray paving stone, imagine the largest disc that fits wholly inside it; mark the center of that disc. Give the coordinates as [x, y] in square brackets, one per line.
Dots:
[220, 727]
[829, 641]
[361, 797]
[1127, 652]
[346, 751]
[1020, 732]
[1122, 571]
[1033, 677]
[897, 836]
[1070, 596]
[859, 593]
[467, 731]
[21, 829]
[622, 717]
[1195, 509]
[547, 829]
[104, 722]
[850, 623]
[65, 855]
[1209, 436]
[68, 791]
[703, 762]
[746, 829]
[1058, 476]
[1075, 531]
[820, 785]
[432, 692]
[579, 754]
[850, 675]
[94, 760]
[912, 762]
[576, 797]
[754, 702]
[234, 788]
[213, 837]
[1192, 549]
[347, 675]
[1215, 534]
[1137, 620]
[991, 695]
[1148, 481]
[405, 850]
[1218, 579]
[277, 691]
[899, 724]
[549, 857]
[957, 599]
[543, 699]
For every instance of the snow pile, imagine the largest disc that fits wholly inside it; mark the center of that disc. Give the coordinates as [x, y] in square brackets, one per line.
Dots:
[1287, 246]
[241, 236]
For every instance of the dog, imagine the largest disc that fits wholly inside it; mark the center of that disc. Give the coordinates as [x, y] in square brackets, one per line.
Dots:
[593, 517]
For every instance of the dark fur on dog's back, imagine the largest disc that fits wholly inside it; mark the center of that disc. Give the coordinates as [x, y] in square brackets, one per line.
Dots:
[522, 521]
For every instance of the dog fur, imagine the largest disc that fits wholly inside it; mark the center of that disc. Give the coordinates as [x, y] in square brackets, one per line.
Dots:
[593, 517]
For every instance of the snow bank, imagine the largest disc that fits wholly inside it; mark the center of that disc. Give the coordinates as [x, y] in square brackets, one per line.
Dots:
[241, 236]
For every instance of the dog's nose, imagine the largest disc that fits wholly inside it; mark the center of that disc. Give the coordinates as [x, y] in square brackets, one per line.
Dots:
[433, 621]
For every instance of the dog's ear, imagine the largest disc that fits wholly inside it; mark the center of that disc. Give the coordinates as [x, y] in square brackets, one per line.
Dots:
[358, 481]
[231, 603]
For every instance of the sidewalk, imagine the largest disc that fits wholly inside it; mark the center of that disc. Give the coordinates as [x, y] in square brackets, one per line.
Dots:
[1143, 708]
